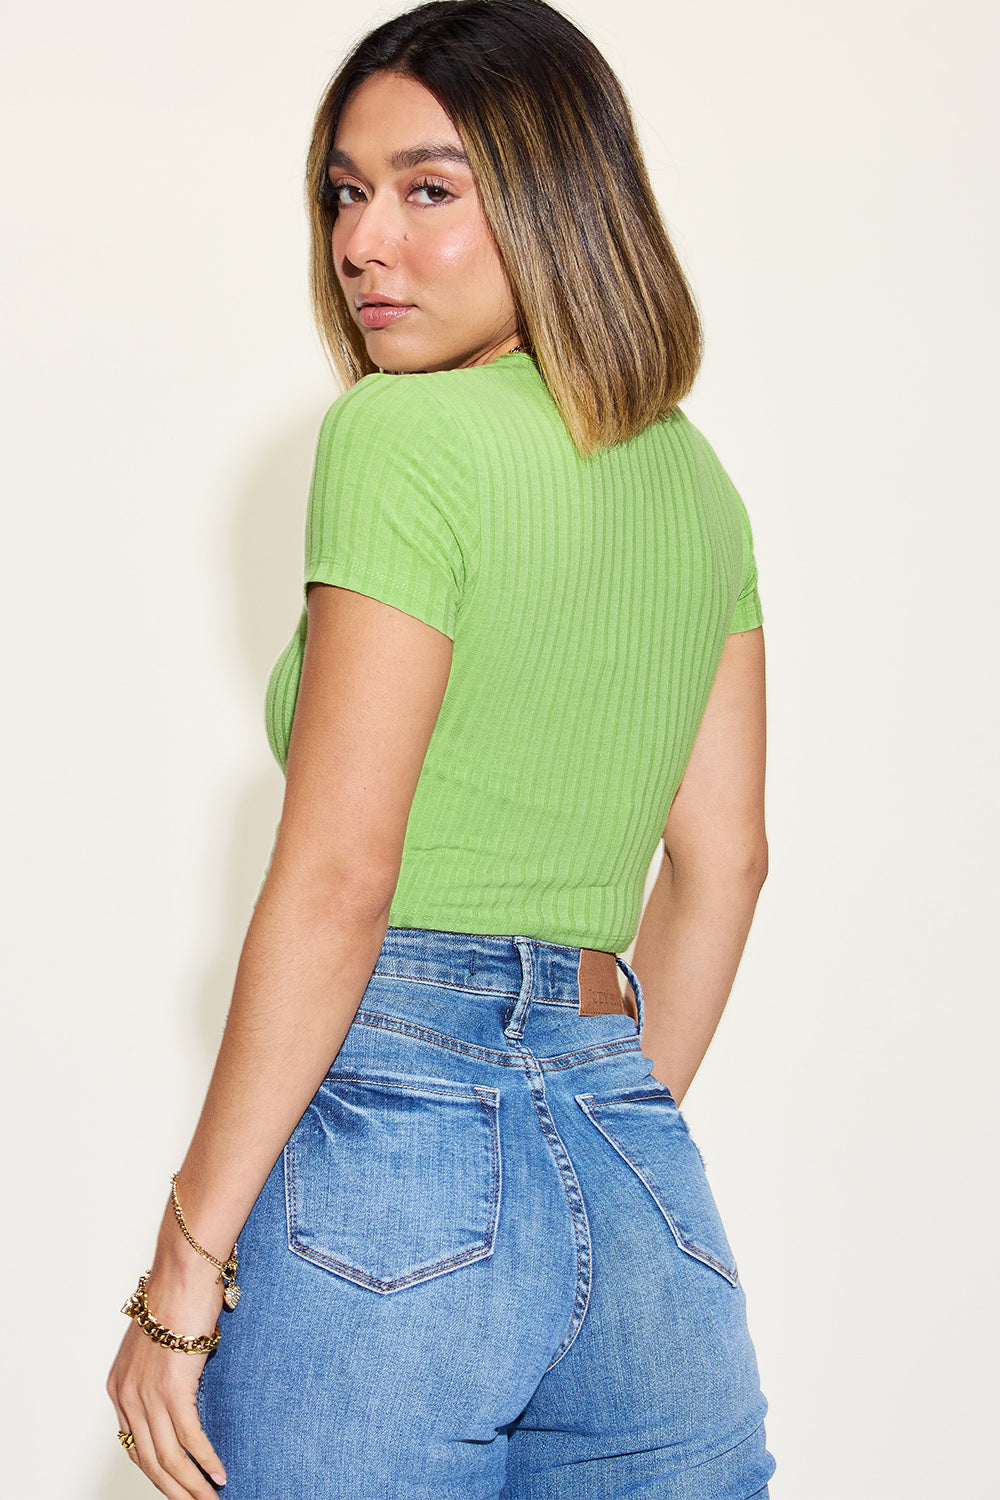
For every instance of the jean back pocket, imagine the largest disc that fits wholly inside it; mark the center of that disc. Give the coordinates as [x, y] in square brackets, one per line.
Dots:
[391, 1180]
[649, 1133]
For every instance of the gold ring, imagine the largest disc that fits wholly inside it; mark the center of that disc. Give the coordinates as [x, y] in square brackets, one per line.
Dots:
[127, 1440]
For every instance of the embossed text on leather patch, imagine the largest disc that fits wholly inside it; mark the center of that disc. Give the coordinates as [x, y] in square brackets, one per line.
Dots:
[597, 979]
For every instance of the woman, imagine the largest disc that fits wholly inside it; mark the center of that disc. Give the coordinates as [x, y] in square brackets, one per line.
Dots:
[487, 1262]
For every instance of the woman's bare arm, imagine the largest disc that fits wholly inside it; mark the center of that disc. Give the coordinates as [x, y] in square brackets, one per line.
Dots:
[372, 684]
[699, 913]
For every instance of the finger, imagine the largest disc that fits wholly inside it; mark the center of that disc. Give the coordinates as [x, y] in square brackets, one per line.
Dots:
[124, 1425]
[145, 1455]
[194, 1438]
[176, 1475]
[142, 1452]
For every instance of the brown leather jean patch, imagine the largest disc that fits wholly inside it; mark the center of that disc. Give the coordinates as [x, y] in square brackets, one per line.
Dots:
[600, 993]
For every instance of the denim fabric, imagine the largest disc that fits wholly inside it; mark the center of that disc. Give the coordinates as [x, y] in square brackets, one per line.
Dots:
[488, 1265]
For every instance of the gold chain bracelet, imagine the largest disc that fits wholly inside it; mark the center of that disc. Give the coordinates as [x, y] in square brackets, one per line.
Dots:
[137, 1308]
[227, 1268]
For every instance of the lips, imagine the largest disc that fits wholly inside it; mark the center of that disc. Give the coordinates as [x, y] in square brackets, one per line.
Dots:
[375, 311]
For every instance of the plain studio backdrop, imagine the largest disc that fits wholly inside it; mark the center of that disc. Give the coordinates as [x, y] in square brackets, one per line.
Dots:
[826, 174]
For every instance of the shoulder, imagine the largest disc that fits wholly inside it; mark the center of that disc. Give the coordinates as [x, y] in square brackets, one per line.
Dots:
[691, 444]
[678, 432]
[447, 408]
[378, 406]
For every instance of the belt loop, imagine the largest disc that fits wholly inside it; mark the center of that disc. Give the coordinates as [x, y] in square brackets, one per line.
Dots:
[514, 1028]
[630, 975]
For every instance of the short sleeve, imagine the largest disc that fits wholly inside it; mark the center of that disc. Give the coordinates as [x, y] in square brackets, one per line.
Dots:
[748, 614]
[717, 485]
[382, 515]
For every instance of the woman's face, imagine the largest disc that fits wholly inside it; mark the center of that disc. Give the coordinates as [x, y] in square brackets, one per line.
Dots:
[411, 248]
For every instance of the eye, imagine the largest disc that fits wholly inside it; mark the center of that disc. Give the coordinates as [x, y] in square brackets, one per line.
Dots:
[429, 193]
[343, 194]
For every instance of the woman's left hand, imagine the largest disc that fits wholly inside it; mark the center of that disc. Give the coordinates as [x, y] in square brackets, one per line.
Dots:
[154, 1389]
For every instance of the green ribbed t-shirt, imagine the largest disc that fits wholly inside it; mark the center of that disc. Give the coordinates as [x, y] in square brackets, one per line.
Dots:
[588, 601]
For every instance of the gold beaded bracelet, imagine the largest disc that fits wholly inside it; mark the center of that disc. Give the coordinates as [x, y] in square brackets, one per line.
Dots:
[138, 1309]
[227, 1268]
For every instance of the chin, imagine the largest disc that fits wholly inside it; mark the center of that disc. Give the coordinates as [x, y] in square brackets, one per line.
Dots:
[394, 361]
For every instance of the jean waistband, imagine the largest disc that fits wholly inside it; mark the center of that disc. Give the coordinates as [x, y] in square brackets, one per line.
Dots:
[581, 977]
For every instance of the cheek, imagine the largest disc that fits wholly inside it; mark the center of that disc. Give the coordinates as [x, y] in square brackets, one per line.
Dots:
[469, 258]
[451, 254]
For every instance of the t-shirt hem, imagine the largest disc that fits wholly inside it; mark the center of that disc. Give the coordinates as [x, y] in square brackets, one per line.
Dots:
[510, 924]
[387, 590]
[748, 614]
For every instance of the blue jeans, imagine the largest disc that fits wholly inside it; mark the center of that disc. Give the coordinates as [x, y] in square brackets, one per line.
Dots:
[488, 1265]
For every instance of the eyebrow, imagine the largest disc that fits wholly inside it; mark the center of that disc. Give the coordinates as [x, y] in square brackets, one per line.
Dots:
[401, 161]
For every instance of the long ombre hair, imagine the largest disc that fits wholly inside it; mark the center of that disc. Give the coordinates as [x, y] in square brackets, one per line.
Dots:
[553, 149]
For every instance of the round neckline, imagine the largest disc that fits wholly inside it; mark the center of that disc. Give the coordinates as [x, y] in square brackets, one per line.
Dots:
[464, 369]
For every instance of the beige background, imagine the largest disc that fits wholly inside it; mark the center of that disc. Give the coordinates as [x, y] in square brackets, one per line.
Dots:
[826, 172]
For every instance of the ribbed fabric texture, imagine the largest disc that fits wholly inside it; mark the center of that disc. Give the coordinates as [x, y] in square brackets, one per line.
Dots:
[588, 601]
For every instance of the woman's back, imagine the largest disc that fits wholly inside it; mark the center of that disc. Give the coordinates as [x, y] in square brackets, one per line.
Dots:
[588, 601]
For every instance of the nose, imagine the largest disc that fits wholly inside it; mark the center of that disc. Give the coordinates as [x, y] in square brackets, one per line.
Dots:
[372, 235]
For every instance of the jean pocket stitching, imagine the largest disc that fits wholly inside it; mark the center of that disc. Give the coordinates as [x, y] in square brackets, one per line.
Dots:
[379, 1022]
[589, 1104]
[426, 1272]
[487, 1099]
[583, 1055]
